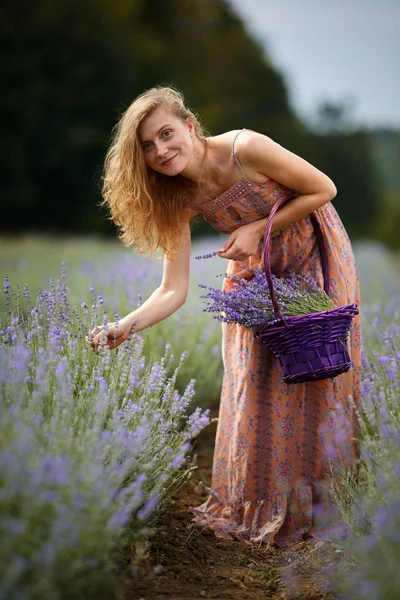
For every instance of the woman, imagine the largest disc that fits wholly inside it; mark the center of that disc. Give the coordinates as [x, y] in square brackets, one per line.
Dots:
[275, 443]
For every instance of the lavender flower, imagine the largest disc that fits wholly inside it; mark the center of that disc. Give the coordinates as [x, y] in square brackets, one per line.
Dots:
[249, 302]
[204, 256]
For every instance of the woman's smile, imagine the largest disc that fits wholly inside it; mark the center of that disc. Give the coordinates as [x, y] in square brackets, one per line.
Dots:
[169, 160]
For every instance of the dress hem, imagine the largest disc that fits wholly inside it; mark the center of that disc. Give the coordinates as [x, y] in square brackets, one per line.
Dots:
[284, 520]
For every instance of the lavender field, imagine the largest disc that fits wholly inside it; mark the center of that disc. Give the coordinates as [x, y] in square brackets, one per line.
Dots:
[90, 445]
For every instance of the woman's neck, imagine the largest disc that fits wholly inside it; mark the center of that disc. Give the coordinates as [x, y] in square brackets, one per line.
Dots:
[197, 163]
[205, 175]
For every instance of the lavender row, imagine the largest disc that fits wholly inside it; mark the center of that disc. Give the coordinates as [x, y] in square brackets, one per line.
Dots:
[370, 503]
[89, 447]
[125, 280]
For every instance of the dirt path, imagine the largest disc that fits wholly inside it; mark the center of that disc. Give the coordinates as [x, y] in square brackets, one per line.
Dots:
[196, 564]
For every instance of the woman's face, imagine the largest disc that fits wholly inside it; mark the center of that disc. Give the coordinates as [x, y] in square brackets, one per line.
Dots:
[167, 141]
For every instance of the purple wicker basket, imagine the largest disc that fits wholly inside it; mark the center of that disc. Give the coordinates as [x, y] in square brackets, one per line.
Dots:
[313, 346]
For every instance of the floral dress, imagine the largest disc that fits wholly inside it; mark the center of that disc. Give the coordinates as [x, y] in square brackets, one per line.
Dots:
[277, 444]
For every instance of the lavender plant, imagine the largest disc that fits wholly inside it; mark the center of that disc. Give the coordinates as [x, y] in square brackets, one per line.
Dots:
[125, 280]
[249, 301]
[89, 447]
[370, 503]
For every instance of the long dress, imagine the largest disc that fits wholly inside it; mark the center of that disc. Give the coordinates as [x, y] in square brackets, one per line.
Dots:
[277, 446]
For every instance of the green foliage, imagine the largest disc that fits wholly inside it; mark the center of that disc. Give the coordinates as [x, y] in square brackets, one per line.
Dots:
[57, 101]
[385, 147]
[386, 227]
[346, 159]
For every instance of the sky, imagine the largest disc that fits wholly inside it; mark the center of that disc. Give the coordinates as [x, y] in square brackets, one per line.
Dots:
[335, 50]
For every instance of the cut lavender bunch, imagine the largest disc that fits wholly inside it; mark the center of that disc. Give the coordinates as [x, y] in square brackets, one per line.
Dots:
[249, 302]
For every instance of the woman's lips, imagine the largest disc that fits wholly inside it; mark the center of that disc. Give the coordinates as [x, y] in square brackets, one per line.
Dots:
[167, 162]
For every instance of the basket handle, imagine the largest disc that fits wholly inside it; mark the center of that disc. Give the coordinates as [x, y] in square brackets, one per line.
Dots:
[267, 258]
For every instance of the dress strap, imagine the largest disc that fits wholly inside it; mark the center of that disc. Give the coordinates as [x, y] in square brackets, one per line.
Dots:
[234, 155]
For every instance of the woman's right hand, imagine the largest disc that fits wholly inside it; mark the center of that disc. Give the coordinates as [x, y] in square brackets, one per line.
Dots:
[116, 334]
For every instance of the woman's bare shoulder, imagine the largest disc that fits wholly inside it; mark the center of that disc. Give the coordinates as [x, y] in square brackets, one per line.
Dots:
[225, 139]
[237, 140]
[247, 138]
[243, 141]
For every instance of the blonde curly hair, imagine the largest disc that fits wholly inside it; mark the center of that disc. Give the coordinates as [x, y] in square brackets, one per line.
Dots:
[148, 207]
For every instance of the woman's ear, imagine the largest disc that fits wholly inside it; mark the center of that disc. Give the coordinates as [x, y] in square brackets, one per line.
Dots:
[190, 125]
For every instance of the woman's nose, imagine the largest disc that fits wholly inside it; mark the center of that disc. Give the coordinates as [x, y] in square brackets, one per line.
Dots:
[161, 150]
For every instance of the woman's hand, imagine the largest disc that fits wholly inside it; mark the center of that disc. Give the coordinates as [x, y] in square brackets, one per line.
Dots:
[242, 243]
[113, 336]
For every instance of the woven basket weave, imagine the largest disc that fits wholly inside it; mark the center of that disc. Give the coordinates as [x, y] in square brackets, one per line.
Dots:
[313, 346]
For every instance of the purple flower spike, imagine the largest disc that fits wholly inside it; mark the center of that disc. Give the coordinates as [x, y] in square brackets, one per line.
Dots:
[249, 302]
[203, 256]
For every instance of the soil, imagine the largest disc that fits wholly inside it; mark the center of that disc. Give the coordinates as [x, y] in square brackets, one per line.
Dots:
[197, 564]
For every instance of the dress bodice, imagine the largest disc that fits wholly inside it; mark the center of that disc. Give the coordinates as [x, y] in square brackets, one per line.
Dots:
[295, 248]
[251, 201]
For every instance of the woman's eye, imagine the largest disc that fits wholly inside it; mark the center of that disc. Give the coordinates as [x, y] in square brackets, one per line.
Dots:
[167, 133]
[146, 147]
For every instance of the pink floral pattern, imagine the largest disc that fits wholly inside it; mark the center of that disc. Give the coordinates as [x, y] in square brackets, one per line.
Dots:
[276, 443]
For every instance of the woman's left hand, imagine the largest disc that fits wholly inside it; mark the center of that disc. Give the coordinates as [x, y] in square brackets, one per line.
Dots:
[242, 243]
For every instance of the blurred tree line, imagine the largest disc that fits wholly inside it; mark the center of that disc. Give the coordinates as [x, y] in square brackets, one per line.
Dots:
[70, 68]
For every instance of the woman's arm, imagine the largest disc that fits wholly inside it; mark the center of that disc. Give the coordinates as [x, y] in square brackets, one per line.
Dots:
[163, 302]
[262, 157]
[172, 292]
